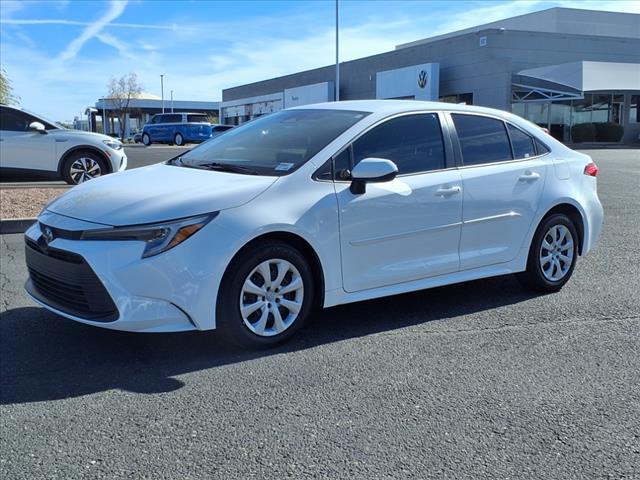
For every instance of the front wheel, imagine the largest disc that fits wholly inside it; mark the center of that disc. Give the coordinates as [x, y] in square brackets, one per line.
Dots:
[83, 166]
[553, 254]
[178, 139]
[266, 296]
[146, 139]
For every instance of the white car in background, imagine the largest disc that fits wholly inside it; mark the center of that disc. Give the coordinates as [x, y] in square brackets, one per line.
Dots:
[316, 206]
[31, 145]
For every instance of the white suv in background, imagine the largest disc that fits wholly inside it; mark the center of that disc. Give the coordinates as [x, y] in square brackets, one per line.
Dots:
[30, 144]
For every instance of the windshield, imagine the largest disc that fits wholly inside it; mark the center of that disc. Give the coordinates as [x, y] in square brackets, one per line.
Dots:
[48, 124]
[273, 145]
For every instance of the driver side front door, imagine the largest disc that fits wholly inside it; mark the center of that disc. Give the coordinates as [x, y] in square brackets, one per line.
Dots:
[409, 228]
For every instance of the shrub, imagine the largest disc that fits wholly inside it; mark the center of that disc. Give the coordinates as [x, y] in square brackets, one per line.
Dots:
[609, 132]
[583, 132]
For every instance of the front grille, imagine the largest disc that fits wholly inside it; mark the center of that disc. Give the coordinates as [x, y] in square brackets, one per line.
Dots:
[66, 282]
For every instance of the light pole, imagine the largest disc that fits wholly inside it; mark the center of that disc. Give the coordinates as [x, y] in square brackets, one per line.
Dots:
[171, 101]
[162, 90]
[104, 115]
[337, 96]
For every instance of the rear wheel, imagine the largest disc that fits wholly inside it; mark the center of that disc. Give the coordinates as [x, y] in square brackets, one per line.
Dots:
[83, 166]
[146, 139]
[178, 139]
[553, 254]
[266, 296]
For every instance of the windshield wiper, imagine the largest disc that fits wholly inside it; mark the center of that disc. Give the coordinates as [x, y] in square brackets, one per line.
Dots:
[225, 167]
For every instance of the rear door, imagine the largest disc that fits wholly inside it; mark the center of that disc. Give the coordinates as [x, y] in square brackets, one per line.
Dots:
[21, 148]
[502, 179]
[408, 228]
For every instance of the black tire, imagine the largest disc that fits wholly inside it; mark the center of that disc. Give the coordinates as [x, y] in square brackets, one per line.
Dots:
[178, 139]
[534, 277]
[146, 139]
[230, 322]
[72, 179]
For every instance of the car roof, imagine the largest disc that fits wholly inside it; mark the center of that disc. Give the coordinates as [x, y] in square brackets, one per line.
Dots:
[181, 113]
[398, 106]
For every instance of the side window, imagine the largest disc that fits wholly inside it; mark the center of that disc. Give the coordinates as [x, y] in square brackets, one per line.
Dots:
[197, 119]
[156, 119]
[522, 143]
[413, 142]
[14, 120]
[541, 148]
[172, 118]
[482, 139]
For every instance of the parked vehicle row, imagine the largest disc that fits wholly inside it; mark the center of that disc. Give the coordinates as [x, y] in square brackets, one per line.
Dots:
[311, 207]
[30, 144]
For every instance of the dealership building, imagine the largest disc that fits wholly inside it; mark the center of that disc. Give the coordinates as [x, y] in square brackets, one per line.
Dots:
[557, 67]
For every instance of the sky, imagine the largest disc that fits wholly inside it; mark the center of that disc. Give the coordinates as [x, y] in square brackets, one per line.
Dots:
[60, 55]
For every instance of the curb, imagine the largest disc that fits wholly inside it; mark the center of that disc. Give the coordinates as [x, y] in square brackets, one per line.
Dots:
[15, 225]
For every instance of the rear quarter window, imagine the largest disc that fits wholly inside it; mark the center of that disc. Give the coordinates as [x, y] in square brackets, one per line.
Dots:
[197, 119]
[522, 143]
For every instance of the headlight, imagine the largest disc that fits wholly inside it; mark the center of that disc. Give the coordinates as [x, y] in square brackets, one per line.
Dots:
[159, 237]
[112, 144]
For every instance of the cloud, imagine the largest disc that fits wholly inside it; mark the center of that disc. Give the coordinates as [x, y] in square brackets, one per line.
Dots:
[115, 10]
[56, 21]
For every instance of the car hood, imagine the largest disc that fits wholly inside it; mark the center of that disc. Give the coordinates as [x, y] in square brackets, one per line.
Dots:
[80, 134]
[157, 193]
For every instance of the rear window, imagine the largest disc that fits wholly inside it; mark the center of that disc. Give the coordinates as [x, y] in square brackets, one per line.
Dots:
[197, 119]
[482, 139]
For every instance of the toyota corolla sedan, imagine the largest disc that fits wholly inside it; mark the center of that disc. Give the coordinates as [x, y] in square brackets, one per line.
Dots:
[311, 207]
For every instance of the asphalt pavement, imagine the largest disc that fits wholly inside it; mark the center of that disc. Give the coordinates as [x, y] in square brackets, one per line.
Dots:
[480, 380]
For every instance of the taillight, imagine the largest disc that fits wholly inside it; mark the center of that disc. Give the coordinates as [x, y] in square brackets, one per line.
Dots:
[591, 169]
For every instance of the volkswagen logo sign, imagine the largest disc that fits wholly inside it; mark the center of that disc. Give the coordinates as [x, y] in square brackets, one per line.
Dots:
[422, 79]
[47, 233]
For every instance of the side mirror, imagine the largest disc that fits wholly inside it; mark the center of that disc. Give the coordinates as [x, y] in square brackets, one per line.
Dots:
[37, 127]
[371, 170]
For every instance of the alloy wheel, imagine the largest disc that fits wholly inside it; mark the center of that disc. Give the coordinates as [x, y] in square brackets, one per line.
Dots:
[271, 297]
[556, 253]
[83, 169]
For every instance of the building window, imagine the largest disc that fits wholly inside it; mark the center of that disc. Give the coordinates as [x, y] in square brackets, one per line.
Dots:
[634, 111]
[465, 98]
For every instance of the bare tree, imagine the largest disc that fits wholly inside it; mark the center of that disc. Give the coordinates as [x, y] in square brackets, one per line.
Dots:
[121, 91]
[6, 89]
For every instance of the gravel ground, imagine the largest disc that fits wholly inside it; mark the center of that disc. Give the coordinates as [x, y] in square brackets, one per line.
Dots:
[480, 380]
[25, 202]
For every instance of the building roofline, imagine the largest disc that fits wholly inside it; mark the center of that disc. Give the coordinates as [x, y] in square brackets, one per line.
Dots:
[467, 34]
[490, 25]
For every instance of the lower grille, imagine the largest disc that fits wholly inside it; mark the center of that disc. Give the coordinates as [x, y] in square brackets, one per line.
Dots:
[64, 281]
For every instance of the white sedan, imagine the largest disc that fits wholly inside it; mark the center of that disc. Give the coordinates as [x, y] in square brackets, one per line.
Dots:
[32, 145]
[316, 206]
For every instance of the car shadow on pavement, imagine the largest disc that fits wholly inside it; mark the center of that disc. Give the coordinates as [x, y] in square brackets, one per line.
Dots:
[47, 357]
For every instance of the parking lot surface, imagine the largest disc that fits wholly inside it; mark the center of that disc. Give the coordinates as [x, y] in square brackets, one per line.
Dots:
[478, 380]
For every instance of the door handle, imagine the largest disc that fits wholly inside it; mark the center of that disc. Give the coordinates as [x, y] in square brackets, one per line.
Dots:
[447, 191]
[529, 176]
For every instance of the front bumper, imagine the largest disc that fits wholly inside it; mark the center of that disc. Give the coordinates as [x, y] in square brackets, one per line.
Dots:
[170, 292]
